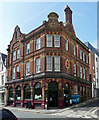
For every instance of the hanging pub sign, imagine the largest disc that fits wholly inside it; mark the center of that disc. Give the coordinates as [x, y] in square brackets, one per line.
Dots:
[67, 64]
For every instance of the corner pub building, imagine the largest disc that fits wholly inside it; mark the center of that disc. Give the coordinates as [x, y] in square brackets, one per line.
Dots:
[50, 61]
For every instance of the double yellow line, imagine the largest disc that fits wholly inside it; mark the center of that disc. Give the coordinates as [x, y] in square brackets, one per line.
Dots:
[85, 115]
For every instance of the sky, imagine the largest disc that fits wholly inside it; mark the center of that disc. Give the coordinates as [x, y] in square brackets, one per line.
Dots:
[30, 15]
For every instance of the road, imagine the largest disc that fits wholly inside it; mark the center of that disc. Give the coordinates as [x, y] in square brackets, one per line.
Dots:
[82, 112]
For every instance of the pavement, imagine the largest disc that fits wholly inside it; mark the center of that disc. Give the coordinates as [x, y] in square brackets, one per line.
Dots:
[56, 111]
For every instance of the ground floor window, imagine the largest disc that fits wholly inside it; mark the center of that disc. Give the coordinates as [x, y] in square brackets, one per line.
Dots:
[81, 90]
[66, 90]
[18, 93]
[38, 91]
[27, 92]
[75, 89]
[11, 93]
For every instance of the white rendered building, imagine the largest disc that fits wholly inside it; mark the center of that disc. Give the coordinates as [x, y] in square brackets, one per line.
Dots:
[3, 75]
[97, 73]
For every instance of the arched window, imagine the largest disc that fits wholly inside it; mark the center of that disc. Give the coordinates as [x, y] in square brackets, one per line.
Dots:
[18, 93]
[11, 93]
[37, 91]
[27, 92]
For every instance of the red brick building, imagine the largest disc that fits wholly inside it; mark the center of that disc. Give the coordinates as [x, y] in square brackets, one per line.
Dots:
[49, 62]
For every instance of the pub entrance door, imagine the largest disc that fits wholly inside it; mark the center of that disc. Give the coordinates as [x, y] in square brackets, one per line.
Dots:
[53, 94]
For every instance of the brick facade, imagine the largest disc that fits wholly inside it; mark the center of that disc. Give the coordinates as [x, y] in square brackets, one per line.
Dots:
[44, 77]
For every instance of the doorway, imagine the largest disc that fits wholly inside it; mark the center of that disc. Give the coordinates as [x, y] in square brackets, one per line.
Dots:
[53, 94]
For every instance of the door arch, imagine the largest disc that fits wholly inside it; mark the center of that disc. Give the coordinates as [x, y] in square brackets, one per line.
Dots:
[53, 94]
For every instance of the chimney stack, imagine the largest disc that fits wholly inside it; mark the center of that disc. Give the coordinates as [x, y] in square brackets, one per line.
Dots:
[68, 14]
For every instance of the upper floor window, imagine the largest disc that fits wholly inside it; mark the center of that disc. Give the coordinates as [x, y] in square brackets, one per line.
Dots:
[28, 48]
[27, 68]
[81, 54]
[86, 58]
[77, 50]
[74, 69]
[38, 43]
[77, 70]
[2, 79]
[74, 50]
[80, 71]
[18, 53]
[49, 40]
[14, 55]
[17, 68]
[57, 63]
[83, 73]
[13, 73]
[38, 65]
[87, 74]
[49, 63]
[57, 40]
[66, 44]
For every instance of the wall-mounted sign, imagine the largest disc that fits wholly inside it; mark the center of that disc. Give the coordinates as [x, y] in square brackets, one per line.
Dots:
[67, 63]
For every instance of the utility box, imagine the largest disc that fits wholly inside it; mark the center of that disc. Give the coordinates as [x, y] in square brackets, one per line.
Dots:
[75, 98]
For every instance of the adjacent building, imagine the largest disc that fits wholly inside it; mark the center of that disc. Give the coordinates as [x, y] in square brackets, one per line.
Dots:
[3, 79]
[48, 63]
[94, 69]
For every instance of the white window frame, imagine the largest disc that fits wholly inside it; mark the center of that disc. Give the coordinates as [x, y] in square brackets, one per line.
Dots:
[80, 54]
[38, 65]
[83, 56]
[49, 40]
[86, 58]
[56, 64]
[66, 44]
[74, 69]
[13, 73]
[28, 48]
[49, 63]
[14, 55]
[74, 50]
[56, 40]
[27, 68]
[17, 68]
[83, 73]
[18, 53]
[80, 71]
[38, 43]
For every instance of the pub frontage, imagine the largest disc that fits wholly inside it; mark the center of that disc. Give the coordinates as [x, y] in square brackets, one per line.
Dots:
[47, 65]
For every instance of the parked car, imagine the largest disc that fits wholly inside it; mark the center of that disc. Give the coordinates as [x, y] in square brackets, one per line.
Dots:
[6, 114]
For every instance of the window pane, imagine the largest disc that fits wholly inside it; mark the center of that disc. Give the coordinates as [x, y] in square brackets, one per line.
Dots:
[49, 40]
[28, 48]
[57, 63]
[27, 68]
[14, 73]
[49, 63]
[18, 68]
[38, 65]
[18, 53]
[57, 40]
[38, 43]
[14, 55]
[66, 44]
